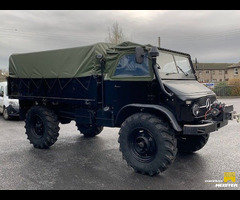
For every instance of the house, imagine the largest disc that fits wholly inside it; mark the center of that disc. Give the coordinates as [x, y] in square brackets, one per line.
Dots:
[234, 71]
[212, 72]
[216, 72]
[3, 75]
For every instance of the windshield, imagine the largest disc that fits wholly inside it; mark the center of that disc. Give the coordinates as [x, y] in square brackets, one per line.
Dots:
[174, 66]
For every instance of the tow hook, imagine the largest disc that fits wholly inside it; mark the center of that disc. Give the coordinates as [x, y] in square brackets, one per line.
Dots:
[236, 116]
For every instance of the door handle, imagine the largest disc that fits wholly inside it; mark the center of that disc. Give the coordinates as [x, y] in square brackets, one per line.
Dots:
[117, 86]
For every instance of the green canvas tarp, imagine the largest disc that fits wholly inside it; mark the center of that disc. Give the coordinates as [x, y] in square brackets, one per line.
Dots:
[69, 63]
[114, 54]
[62, 63]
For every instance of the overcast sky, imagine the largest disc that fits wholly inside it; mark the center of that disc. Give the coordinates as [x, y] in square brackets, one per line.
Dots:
[208, 35]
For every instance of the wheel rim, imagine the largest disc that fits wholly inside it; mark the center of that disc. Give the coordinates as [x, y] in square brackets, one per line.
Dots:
[143, 145]
[37, 126]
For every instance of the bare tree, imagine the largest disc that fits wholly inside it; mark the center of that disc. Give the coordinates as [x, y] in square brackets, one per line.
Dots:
[115, 34]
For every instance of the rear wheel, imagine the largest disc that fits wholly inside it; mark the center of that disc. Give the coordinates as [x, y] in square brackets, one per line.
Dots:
[5, 114]
[42, 127]
[147, 143]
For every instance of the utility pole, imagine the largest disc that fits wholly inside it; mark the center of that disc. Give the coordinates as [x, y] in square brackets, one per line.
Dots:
[196, 63]
[159, 42]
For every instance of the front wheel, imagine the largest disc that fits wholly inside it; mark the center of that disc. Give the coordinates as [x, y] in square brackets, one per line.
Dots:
[147, 143]
[42, 127]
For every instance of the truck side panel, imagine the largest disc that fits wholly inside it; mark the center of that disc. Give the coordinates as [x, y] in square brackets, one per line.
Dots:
[81, 91]
[121, 93]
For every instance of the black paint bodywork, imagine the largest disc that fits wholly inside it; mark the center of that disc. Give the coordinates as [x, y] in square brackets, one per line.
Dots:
[92, 100]
[81, 100]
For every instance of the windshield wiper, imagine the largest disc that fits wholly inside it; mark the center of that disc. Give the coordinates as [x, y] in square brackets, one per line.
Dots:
[170, 73]
[185, 73]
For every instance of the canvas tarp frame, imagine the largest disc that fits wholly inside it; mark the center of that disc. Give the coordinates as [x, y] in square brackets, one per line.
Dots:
[62, 63]
[72, 62]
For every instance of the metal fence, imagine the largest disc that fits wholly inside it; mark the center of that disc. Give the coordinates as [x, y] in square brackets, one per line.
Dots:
[223, 90]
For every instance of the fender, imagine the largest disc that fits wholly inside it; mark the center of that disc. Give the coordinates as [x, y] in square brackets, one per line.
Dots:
[139, 107]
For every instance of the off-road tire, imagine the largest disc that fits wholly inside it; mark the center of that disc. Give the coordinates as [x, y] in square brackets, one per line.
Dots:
[147, 143]
[191, 143]
[5, 114]
[89, 130]
[42, 127]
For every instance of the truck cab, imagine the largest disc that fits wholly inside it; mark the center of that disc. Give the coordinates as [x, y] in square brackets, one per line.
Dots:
[164, 83]
[8, 107]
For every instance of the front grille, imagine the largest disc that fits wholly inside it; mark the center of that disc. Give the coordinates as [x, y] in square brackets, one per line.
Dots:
[202, 103]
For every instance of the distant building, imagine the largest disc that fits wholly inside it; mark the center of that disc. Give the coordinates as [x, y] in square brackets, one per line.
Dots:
[216, 72]
[234, 70]
[3, 75]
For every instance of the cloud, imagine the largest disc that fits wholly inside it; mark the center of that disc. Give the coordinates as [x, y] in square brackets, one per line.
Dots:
[209, 35]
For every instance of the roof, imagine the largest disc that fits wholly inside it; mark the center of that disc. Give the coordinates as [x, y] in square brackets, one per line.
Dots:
[69, 63]
[60, 63]
[236, 65]
[212, 66]
[73, 62]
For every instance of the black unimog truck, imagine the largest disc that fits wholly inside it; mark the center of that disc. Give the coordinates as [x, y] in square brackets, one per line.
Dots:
[151, 93]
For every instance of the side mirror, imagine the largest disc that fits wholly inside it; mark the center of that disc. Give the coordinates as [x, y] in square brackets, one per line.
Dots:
[139, 55]
[99, 56]
[1, 93]
[154, 52]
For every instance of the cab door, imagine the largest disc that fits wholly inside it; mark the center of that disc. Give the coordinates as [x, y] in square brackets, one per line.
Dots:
[129, 83]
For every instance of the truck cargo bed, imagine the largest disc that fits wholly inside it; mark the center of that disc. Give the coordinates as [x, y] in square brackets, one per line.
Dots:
[83, 91]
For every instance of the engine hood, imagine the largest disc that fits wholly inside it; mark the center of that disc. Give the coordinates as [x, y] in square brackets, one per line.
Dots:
[187, 89]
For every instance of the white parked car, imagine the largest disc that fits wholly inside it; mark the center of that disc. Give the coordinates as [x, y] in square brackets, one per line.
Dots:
[8, 107]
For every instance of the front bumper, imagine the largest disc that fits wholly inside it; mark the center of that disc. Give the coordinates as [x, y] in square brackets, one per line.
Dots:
[208, 126]
[13, 111]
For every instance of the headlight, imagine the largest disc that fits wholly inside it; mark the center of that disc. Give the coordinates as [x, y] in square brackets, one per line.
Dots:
[13, 103]
[195, 110]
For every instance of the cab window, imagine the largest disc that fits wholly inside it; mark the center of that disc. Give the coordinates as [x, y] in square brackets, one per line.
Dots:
[127, 67]
[1, 91]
